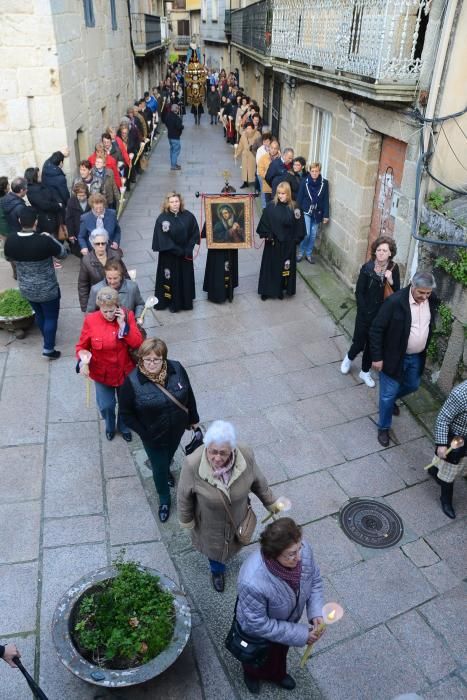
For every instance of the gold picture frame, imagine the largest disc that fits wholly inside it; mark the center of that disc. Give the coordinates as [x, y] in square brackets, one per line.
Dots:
[228, 221]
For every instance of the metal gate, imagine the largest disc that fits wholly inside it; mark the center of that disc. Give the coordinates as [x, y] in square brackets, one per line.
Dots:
[276, 107]
[267, 96]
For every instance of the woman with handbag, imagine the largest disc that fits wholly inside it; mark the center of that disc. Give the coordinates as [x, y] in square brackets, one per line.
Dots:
[157, 402]
[274, 586]
[378, 279]
[213, 497]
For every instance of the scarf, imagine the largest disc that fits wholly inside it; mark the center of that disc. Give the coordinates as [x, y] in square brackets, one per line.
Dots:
[314, 185]
[100, 221]
[156, 377]
[290, 576]
[224, 473]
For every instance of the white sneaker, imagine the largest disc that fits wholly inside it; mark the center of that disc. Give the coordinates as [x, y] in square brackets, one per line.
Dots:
[346, 365]
[367, 378]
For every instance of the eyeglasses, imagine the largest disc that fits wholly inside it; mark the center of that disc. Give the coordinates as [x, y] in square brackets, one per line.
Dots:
[290, 556]
[100, 243]
[152, 360]
[221, 453]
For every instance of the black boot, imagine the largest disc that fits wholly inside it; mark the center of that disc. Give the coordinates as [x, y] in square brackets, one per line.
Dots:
[446, 499]
[244, 185]
[433, 472]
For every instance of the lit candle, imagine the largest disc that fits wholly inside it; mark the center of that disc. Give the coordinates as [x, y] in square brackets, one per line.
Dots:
[132, 274]
[148, 304]
[331, 612]
[282, 505]
[456, 442]
[85, 356]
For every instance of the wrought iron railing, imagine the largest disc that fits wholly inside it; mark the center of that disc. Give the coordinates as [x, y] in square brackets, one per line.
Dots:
[181, 40]
[380, 40]
[149, 32]
[252, 26]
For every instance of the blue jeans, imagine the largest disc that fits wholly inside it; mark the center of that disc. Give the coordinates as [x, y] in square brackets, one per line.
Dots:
[307, 245]
[46, 316]
[390, 389]
[106, 399]
[175, 148]
[217, 567]
[263, 196]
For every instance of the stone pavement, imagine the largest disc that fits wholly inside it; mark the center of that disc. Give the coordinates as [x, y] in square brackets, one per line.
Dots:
[69, 500]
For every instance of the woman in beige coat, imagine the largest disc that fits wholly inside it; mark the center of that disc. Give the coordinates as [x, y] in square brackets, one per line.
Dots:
[246, 149]
[219, 473]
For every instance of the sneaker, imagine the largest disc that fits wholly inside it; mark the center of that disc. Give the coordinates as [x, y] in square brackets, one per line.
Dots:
[310, 260]
[54, 355]
[299, 258]
[367, 378]
[346, 365]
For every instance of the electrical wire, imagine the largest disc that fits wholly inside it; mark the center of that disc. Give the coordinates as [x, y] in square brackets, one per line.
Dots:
[433, 120]
[460, 127]
[452, 149]
[443, 184]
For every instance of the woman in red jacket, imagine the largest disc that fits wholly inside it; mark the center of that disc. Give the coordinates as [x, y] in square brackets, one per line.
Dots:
[109, 334]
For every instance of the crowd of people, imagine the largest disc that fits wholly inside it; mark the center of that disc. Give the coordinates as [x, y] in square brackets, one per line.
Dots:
[140, 388]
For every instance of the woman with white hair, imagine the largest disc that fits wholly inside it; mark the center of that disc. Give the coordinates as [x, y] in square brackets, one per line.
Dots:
[92, 266]
[213, 496]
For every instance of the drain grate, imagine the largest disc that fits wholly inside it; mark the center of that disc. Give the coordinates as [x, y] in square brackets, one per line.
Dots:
[371, 523]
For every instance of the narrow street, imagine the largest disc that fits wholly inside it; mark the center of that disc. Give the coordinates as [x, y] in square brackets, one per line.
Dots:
[72, 500]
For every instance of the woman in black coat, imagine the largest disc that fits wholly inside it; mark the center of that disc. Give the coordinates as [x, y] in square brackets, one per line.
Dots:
[376, 274]
[44, 201]
[157, 402]
[213, 101]
[175, 234]
[282, 226]
[76, 206]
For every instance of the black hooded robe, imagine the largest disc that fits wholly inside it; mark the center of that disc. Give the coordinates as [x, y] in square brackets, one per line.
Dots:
[282, 228]
[221, 273]
[175, 236]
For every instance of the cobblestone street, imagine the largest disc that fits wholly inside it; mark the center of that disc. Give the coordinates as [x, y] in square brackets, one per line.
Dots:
[70, 500]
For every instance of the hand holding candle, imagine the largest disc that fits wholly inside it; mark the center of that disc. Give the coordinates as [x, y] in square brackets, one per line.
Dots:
[456, 442]
[332, 612]
[282, 505]
[85, 356]
[148, 304]
[132, 275]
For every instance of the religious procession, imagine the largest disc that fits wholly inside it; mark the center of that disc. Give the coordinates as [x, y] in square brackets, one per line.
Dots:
[181, 328]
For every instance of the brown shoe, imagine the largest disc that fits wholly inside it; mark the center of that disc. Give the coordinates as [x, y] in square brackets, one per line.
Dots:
[383, 437]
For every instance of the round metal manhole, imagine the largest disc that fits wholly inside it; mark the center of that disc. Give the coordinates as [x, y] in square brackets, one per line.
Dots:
[371, 523]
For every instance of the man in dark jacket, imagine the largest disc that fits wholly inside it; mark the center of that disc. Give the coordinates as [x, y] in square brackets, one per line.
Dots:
[313, 200]
[33, 253]
[174, 126]
[54, 177]
[278, 168]
[13, 202]
[399, 336]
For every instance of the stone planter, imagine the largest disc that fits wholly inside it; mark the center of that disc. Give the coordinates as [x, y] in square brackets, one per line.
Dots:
[16, 324]
[114, 678]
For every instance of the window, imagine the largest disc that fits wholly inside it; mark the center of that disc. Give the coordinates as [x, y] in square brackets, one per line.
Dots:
[89, 18]
[321, 122]
[183, 27]
[113, 14]
[203, 10]
[214, 10]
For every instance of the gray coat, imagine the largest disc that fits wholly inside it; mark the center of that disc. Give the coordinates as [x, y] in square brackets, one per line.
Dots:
[129, 295]
[266, 602]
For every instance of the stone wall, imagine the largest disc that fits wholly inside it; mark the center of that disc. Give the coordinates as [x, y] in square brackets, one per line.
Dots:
[62, 82]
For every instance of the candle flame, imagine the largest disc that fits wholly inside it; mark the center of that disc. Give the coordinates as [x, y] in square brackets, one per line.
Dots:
[332, 612]
[331, 615]
[457, 442]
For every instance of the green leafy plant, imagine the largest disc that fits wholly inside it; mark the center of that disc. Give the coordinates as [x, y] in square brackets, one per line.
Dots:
[441, 332]
[457, 268]
[423, 230]
[12, 304]
[124, 621]
[436, 199]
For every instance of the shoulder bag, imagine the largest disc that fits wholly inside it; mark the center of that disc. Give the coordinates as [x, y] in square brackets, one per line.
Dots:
[388, 290]
[172, 398]
[245, 530]
[245, 648]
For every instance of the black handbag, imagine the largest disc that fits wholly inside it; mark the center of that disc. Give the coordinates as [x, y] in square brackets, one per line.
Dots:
[196, 441]
[245, 648]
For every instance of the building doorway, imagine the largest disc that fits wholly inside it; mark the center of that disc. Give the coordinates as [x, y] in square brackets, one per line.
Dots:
[267, 96]
[276, 107]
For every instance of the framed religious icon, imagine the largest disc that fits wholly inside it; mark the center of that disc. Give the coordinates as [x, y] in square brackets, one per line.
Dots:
[228, 221]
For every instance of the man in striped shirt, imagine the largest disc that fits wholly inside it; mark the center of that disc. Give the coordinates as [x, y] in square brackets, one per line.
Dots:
[451, 422]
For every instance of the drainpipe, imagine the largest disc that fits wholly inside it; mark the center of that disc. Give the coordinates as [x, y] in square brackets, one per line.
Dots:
[438, 62]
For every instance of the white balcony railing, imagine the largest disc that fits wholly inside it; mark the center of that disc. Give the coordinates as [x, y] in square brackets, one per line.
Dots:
[376, 39]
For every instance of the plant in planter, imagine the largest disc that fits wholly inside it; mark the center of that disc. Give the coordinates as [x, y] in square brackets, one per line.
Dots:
[125, 621]
[16, 313]
[121, 625]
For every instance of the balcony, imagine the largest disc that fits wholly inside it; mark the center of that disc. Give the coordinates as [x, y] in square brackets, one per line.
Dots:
[149, 33]
[228, 22]
[181, 42]
[369, 47]
[251, 27]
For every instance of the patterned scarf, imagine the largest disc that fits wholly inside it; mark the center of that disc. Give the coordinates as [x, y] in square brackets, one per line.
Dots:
[225, 472]
[290, 576]
[156, 377]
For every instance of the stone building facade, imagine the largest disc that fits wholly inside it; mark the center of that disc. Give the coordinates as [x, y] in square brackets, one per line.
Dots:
[68, 71]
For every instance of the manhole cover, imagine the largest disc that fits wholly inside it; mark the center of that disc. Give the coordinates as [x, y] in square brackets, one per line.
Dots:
[371, 524]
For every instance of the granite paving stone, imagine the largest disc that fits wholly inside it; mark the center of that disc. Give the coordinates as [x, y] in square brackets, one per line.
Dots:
[75, 530]
[449, 689]
[323, 352]
[356, 438]
[20, 531]
[447, 615]
[441, 576]
[372, 666]
[292, 359]
[216, 685]
[26, 361]
[317, 380]
[18, 598]
[415, 505]
[253, 428]
[317, 412]
[420, 553]
[263, 364]
[116, 457]
[69, 391]
[284, 421]
[449, 541]
[305, 455]
[392, 585]
[332, 549]
[270, 465]
[20, 426]
[152, 554]
[22, 480]
[405, 427]
[130, 517]
[368, 477]
[409, 460]
[322, 496]
[422, 645]
[354, 401]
